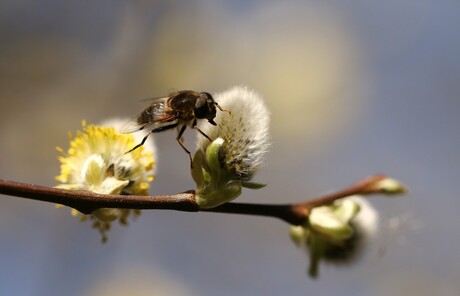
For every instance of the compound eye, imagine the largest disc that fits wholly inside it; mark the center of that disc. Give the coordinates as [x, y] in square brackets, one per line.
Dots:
[201, 108]
[200, 102]
[205, 95]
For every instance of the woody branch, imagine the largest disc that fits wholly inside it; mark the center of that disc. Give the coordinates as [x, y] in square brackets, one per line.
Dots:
[86, 202]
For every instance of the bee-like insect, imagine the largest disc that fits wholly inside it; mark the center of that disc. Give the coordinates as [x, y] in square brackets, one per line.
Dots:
[179, 109]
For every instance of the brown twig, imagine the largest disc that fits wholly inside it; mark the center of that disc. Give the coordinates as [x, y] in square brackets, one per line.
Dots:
[86, 201]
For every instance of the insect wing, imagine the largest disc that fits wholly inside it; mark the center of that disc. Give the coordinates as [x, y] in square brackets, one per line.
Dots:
[131, 127]
[153, 116]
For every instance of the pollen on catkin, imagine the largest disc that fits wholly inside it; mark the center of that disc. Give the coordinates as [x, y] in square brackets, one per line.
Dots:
[97, 161]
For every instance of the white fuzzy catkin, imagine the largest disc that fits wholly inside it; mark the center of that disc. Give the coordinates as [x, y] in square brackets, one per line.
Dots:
[365, 226]
[367, 219]
[245, 130]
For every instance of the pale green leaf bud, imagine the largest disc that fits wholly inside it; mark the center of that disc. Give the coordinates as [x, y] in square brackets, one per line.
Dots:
[336, 233]
[218, 186]
[333, 221]
[298, 235]
[391, 186]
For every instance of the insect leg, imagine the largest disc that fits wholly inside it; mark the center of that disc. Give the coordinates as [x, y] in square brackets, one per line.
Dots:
[140, 144]
[164, 128]
[201, 132]
[156, 130]
[179, 138]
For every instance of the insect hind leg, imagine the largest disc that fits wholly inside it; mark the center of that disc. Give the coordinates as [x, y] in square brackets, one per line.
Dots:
[156, 130]
[139, 145]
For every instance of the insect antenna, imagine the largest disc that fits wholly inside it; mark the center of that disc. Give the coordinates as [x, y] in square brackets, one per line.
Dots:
[223, 110]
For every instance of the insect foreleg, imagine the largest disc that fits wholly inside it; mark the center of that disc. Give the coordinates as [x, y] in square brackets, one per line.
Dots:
[178, 139]
[201, 132]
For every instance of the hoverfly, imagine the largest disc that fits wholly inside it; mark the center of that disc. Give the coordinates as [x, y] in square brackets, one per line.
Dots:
[179, 109]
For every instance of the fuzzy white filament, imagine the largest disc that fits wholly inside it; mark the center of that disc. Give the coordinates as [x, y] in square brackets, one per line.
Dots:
[367, 219]
[244, 131]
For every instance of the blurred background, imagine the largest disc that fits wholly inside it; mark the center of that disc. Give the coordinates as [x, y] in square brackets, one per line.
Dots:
[355, 88]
